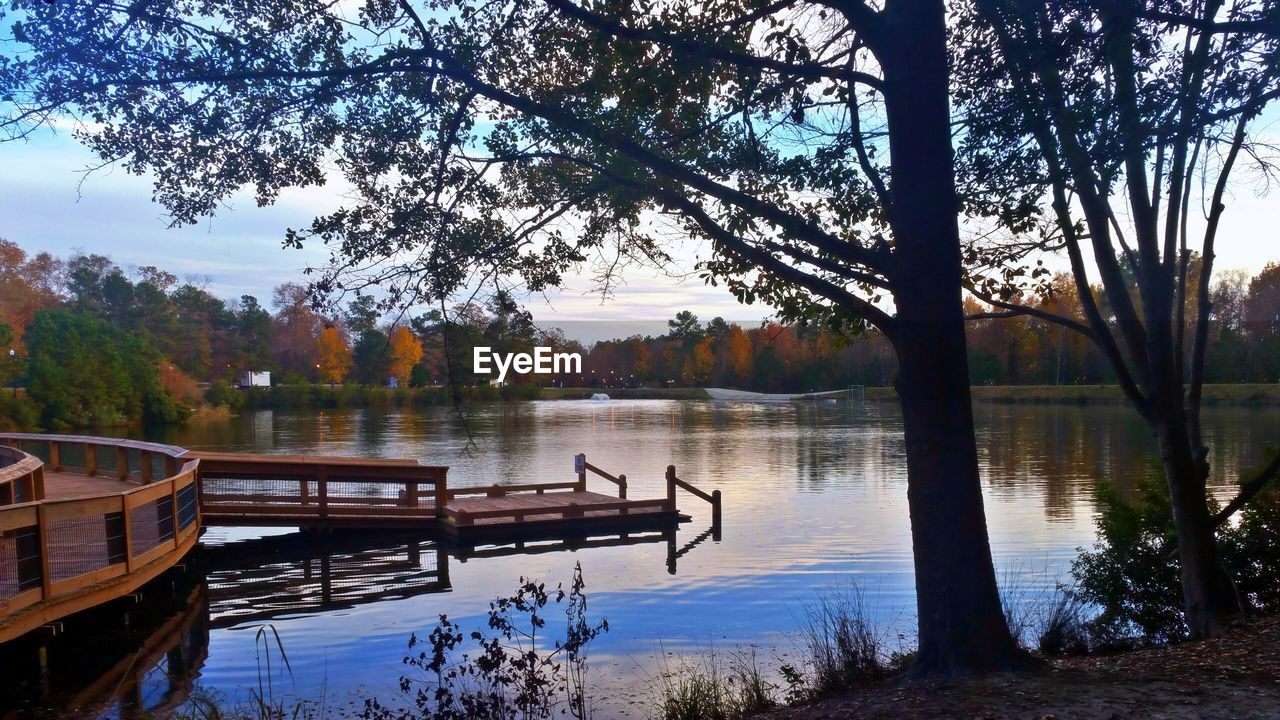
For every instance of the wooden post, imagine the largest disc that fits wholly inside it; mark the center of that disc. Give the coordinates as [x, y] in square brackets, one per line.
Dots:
[580, 464]
[322, 490]
[715, 515]
[37, 481]
[122, 463]
[177, 526]
[411, 494]
[304, 490]
[90, 459]
[128, 533]
[442, 565]
[671, 488]
[145, 469]
[42, 531]
[55, 460]
[170, 466]
[442, 492]
[573, 511]
[464, 518]
[670, 535]
[622, 486]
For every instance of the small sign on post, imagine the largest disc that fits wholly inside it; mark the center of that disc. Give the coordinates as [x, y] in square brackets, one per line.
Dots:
[579, 463]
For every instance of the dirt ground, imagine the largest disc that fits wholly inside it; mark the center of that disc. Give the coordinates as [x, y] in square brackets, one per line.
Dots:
[1236, 676]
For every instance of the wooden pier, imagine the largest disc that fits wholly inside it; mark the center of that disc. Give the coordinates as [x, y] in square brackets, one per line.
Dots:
[85, 520]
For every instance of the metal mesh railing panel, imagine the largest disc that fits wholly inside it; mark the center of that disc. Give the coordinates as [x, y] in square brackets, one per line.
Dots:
[19, 561]
[151, 524]
[358, 493]
[187, 499]
[82, 545]
[71, 454]
[257, 491]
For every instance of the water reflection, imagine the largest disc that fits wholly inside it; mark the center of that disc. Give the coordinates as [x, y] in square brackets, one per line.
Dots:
[260, 580]
[815, 493]
[144, 667]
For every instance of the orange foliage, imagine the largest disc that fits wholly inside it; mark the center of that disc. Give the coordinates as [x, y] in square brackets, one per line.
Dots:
[334, 354]
[406, 351]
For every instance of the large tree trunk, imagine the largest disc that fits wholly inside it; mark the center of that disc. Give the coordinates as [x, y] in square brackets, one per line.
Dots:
[1208, 597]
[962, 627]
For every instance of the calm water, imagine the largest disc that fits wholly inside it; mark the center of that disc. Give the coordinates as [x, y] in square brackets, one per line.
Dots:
[814, 495]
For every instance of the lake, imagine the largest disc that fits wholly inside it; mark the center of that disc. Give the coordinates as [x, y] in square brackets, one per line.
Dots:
[814, 494]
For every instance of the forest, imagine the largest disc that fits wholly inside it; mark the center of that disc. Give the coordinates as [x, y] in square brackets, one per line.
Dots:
[96, 344]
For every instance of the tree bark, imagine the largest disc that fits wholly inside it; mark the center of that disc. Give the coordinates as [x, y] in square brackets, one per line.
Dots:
[962, 627]
[1208, 596]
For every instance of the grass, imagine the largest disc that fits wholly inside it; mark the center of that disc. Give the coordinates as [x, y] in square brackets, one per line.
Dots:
[714, 688]
[1242, 395]
[1053, 623]
[843, 646]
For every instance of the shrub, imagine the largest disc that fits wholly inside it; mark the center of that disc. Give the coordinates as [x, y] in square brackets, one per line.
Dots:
[221, 393]
[513, 676]
[1131, 575]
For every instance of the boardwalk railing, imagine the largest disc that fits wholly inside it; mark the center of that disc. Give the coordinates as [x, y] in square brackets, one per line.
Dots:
[266, 487]
[21, 477]
[59, 556]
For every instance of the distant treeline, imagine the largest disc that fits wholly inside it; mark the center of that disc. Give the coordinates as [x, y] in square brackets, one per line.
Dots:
[94, 344]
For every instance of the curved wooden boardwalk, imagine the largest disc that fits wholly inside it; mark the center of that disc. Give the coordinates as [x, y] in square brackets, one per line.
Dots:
[85, 520]
[88, 520]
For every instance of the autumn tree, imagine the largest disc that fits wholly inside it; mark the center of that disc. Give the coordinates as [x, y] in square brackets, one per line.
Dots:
[808, 144]
[738, 351]
[405, 352]
[295, 330]
[700, 363]
[335, 354]
[27, 285]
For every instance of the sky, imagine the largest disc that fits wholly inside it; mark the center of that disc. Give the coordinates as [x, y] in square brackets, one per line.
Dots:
[47, 204]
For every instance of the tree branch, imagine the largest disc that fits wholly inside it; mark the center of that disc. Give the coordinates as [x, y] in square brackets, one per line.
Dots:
[808, 71]
[1248, 490]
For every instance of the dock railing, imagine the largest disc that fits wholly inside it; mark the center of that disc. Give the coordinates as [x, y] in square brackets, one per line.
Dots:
[584, 467]
[59, 556]
[713, 497]
[255, 486]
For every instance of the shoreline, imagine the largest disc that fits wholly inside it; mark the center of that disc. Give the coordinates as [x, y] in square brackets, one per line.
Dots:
[1241, 395]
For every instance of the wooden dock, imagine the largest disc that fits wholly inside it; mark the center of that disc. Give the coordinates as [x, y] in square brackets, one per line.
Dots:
[85, 520]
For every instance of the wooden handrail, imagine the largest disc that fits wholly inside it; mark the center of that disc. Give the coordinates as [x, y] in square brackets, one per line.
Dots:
[313, 486]
[620, 480]
[713, 497]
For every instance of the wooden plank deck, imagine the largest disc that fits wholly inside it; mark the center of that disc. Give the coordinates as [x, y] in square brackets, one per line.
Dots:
[65, 485]
[532, 506]
[528, 513]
